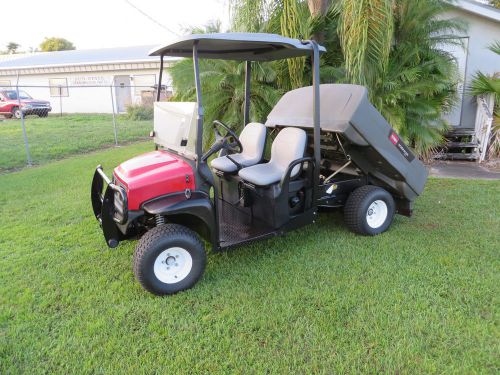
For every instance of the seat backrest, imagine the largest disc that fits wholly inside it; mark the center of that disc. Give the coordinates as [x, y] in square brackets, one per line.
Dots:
[253, 140]
[289, 145]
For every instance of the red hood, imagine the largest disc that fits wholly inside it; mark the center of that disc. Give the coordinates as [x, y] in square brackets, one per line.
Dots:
[153, 174]
[143, 164]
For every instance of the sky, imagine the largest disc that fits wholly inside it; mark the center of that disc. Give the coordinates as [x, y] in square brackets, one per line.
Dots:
[105, 23]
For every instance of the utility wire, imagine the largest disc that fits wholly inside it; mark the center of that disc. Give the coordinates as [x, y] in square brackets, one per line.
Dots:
[150, 18]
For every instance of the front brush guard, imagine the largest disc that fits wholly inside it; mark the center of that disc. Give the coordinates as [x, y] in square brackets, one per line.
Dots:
[104, 206]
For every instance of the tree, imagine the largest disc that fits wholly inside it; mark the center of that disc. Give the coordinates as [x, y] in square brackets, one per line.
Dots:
[495, 3]
[393, 47]
[12, 47]
[56, 44]
[223, 88]
[417, 83]
[318, 9]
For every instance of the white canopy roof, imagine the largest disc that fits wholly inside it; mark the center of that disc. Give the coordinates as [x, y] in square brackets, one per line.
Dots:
[237, 46]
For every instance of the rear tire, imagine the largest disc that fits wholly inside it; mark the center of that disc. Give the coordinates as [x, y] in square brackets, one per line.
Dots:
[168, 259]
[369, 210]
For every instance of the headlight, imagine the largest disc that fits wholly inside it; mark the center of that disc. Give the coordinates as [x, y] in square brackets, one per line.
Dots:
[119, 206]
[27, 106]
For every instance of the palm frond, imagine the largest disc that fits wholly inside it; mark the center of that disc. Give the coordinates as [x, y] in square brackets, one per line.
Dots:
[482, 84]
[495, 47]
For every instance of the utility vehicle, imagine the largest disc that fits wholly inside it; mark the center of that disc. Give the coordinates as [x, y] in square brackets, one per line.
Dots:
[330, 148]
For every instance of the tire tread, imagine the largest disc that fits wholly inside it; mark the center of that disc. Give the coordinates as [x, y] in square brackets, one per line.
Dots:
[154, 235]
[352, 213]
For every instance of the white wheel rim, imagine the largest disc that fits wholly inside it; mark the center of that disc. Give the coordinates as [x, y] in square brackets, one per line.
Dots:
[376, 214]
[173, 265]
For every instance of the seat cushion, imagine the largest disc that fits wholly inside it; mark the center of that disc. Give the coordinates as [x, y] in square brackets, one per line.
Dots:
[288, 146]
[262, 174]
[223, 164]
[253, 140]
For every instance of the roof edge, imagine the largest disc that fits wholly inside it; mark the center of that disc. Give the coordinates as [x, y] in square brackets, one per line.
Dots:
[149, 59]
[477, 8]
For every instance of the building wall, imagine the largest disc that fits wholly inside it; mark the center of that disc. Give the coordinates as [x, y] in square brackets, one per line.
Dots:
[87, 92]
[481, 33]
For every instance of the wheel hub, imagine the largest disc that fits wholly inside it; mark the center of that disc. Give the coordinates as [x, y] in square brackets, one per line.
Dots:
[376, 214]
[173, 265]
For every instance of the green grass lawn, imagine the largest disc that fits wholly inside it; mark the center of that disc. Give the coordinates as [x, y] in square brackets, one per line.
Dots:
[57, 137]
[421, 298]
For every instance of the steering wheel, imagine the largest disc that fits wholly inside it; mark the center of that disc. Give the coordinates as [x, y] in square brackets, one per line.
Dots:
[229, 142]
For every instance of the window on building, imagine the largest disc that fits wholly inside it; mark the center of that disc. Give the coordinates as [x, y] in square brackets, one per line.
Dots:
[58, 87]
[144, 82]
[4, 83]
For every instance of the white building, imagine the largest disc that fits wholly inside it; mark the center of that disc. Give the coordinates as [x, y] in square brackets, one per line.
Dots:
[483, 29]
[83, 81]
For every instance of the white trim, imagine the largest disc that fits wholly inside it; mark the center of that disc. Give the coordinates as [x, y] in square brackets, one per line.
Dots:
[474, 7]
[78, 68]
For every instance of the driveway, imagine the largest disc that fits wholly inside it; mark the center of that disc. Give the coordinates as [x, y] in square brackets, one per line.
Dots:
[467, 170]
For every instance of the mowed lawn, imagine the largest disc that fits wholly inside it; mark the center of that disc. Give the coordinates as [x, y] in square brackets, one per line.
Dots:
[421, 298]
[57, 137]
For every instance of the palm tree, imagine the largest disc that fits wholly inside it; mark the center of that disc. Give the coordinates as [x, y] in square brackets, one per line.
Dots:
[223, 88]
[394, 47]
[417, 83]
[223, 91]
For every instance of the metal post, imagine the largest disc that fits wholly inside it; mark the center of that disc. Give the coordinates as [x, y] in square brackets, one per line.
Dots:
[113, 108]
[60, 101]
[316, 114]
[248, 71]
[26, 144]
[199, 133]
[160, 75]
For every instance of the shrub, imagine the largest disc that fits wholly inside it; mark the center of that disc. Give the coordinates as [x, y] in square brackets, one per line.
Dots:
[139, 112]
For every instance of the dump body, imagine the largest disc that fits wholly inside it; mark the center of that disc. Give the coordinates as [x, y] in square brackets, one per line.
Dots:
[372, 144]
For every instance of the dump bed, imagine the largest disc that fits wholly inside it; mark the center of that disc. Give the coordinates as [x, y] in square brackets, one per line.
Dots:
[372, 144]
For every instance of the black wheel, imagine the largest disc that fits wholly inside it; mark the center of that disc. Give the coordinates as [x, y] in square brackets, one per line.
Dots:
[169, 258]
[16, 112]
[43, 114]
[369, 210]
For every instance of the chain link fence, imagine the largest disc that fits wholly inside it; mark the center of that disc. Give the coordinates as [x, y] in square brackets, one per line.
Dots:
[40, 123]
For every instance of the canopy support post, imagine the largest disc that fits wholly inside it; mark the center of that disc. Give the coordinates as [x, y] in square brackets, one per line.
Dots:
[160, 75]
[248, 72]
[199, 132]
[316, 113]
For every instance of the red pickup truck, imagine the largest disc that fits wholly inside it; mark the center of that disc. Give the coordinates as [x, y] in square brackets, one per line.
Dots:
[11, 106]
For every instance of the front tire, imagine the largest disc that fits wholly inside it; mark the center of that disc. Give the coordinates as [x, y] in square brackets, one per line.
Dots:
[369, 210]
[43, 114]
[16, 112]
[168, 259]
